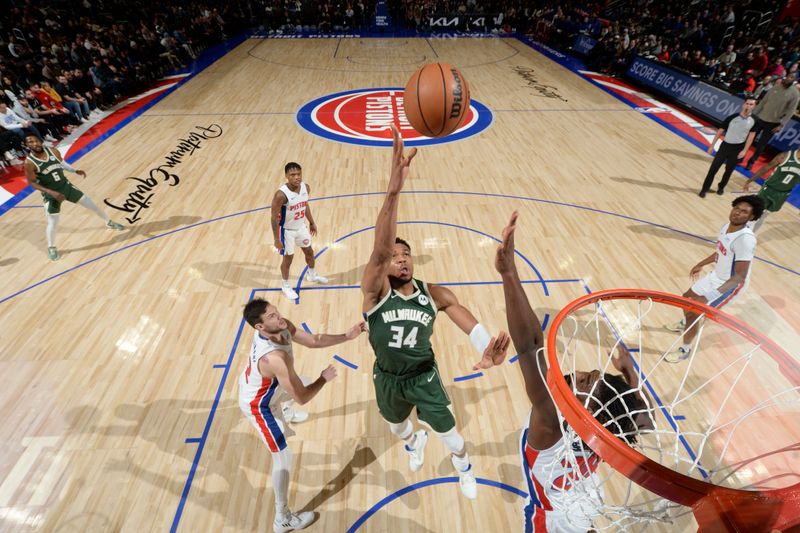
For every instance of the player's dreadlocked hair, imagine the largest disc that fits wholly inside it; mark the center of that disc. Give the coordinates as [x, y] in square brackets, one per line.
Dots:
[615, 404]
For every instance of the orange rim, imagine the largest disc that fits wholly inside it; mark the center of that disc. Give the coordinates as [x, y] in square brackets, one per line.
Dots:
[740, 508]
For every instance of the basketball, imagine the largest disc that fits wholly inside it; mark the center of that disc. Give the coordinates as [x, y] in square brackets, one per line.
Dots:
[436, 99]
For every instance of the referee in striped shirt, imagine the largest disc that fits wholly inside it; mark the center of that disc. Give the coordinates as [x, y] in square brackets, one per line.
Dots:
[737, 134]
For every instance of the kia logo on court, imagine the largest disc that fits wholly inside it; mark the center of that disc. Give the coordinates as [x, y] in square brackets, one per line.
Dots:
[363, 117]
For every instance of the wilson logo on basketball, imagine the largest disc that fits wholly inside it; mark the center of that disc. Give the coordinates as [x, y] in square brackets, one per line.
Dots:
[363, 117]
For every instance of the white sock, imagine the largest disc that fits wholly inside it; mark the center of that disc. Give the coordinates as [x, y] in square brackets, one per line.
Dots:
[686, 347]
[461, 463]
[281, 472]
[52, 225]
[87, 202]
[286, 284]
[311, 272]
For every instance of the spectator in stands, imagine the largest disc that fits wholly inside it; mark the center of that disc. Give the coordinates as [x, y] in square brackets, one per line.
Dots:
[759, 63]
[772, 113]
[105, 80]
[49, 109]
[777, 70]
[68, 93]
[86, 88]
[27, 112]
[728, 57]
[12, 122]
[766, 83]
[72, 106]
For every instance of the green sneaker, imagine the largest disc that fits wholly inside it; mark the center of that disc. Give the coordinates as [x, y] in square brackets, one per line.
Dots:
[113, 225]
[52, 253]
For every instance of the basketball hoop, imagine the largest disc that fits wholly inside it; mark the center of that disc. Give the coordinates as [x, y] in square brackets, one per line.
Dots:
[710, 447]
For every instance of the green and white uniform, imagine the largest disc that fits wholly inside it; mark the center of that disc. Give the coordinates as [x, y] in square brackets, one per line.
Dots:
[779, 185]
[405, 372]
[50, 174]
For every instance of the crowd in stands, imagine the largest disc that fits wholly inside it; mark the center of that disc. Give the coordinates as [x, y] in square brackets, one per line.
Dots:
[740, 45]
[63, 62]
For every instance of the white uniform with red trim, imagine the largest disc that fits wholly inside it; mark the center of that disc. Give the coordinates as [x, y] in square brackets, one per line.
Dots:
[294, 230]
[555, 504]
[260, 398]
[731, 247]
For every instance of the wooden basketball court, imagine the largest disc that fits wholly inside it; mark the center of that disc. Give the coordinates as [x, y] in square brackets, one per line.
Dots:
[120, 361]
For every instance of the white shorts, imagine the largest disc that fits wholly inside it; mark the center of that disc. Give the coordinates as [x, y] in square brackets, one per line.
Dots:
[291, 237]
[265, 413]
[708, 287]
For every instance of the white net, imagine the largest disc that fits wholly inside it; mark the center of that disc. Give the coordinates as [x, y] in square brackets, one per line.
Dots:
[727, 414]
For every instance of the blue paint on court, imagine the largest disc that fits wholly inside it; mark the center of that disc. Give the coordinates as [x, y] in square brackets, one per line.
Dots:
[468, 376]
[249, 211]
[193, 440]
[422, 484]
[204, 437]
[345, 362]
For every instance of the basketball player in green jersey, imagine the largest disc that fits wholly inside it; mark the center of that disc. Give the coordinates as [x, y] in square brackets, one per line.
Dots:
[44, 169]
[400, 311]
[779, 185]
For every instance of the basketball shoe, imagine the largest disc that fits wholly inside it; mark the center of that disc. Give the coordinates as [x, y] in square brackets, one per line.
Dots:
[676, 356]
[295, 417]
[467, 482]
[677, 327]
[292, 522]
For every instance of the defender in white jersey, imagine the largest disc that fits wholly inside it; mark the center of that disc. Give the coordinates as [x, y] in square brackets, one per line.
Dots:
[734, 251]
[290, 210]
[270, 379]
[555, 504]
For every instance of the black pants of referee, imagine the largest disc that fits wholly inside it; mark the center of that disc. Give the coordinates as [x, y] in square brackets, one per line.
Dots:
[727, 154]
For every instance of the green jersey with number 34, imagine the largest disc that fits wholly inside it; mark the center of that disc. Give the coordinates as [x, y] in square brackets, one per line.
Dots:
[400, 329]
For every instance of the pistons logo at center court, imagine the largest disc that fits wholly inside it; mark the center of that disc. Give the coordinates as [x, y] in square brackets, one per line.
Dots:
[363, 117]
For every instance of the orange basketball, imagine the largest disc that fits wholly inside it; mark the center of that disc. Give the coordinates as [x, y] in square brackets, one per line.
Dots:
[436, 99]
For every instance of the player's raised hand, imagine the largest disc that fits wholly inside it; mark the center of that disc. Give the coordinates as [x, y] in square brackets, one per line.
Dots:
[356, 330]
[504, 260]
[495, 352]
[622, 360]
[329, 373]
[400, 161]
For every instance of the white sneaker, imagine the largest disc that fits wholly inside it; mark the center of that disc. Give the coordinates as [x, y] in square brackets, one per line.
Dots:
[289, 293]
[677, 327]
[295, 417]
[469, 487]
[418, 452]
[292, 522]
[317, 278]
[678, 355]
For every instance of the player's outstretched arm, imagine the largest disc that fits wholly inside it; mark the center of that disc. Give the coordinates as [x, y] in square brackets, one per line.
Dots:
[777, 160]
[492, 349]
[374, 282]
[323, 340]
[66, 165]
[281, 366]
[526, 333]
